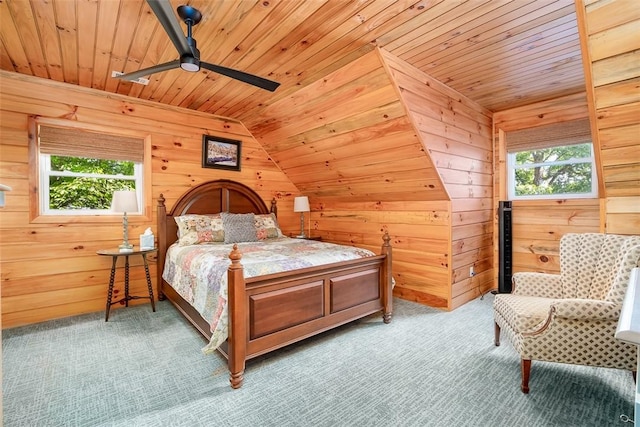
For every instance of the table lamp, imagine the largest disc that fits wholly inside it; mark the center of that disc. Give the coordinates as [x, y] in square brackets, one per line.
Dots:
[125, 201]
[301, 204]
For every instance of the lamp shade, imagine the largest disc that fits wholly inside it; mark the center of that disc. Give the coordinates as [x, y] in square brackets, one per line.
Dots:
[301, 204]
[124, 201]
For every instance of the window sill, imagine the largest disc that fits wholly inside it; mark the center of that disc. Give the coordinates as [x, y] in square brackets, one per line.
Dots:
[555, 202]
[89, 219]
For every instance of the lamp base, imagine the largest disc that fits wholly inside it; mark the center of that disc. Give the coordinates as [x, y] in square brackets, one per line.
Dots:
[301, 236]
[125, 248]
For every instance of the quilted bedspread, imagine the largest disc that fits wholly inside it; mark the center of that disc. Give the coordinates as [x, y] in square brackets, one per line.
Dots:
[199, 272]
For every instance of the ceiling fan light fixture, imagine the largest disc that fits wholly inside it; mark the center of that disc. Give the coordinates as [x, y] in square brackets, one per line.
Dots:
[189, 63]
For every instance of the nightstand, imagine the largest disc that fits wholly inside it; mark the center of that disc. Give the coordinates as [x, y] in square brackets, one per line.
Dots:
[317, 238]
[115, 254]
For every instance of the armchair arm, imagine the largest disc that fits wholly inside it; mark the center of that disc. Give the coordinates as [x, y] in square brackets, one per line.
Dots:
[566, 312]
[586, 309]
[537, 284]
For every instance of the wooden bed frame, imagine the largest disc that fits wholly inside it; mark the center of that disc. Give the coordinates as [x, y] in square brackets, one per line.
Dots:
[269, 312]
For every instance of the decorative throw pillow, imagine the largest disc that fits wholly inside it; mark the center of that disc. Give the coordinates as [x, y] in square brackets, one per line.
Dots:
[239, 227]
[195, 229]
[267, 226]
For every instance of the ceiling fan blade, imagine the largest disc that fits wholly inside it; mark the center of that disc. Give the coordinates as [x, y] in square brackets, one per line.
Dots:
[260, 82]
[151, 70]
[168, 20]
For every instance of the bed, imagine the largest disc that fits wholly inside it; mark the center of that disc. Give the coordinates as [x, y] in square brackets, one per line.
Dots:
[270, 311]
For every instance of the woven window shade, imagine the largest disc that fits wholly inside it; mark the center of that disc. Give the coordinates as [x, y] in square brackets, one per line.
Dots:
[554, 135]
[81, 143]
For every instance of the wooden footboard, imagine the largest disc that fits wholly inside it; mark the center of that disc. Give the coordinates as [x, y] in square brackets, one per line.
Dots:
[270, 312]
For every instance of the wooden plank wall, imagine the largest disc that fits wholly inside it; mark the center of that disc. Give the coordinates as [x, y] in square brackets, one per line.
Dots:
[611, 49]
[457, 134]
[346, 142]
[539, 224]
[52, 270]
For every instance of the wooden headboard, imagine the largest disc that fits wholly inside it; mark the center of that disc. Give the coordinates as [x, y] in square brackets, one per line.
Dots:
[210, 197]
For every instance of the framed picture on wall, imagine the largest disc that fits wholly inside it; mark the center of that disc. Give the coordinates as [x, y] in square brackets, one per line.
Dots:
[220, 153]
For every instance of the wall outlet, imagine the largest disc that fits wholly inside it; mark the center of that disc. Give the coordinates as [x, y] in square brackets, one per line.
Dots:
[471, 271]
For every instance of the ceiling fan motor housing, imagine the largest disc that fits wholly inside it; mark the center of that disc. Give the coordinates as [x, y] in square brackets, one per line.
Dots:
[191, 62]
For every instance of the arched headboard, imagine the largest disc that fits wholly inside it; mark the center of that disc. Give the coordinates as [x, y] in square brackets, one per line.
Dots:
[210, 197]
[219, 196]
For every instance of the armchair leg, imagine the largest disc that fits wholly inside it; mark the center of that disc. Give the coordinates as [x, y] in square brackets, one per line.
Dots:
[496, 340]
[525, 367]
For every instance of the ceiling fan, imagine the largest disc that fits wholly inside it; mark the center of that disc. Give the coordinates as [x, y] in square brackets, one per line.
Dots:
[186, 46]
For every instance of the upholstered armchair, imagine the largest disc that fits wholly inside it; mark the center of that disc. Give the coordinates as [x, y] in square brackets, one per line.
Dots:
[572, 317]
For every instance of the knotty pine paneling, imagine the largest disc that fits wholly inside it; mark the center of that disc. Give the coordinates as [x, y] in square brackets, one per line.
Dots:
[539, 225]
[456, 132]
[622, 215]
[611, 51]
[51, 270]
[419, 232]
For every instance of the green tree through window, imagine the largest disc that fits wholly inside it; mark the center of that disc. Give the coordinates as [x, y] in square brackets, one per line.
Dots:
[554, 171]
[83, 183]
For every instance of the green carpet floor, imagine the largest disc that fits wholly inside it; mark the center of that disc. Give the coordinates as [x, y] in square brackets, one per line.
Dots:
[425, 368]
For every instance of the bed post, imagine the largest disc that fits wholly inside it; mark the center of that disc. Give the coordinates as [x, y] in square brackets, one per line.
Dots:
[387, 291]
[162, 244]
[237, 319]
[274, 207]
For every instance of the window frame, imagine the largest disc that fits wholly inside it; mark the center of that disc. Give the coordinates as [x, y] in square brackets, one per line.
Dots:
[37, 214]
[511, 174]
[45, 173]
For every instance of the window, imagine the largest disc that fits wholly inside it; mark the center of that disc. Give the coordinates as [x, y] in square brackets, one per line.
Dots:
[554, 161]
[81, 185]
[78, 170]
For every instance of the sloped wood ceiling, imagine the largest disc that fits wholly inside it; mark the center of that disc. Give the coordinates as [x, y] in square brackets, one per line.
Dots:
[347, 138]
[499, 53]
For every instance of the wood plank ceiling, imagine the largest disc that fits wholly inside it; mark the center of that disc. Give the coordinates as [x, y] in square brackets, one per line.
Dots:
[499, 53]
